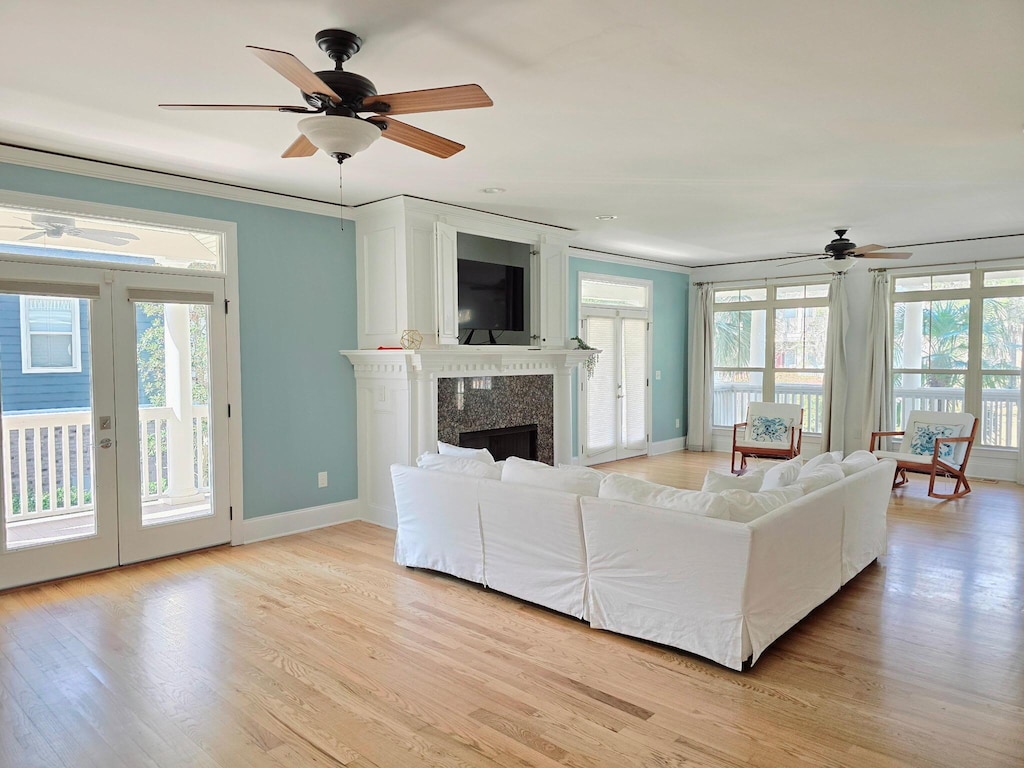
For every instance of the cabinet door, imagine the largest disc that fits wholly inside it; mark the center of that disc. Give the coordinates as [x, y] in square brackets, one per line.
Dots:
[447, 283]
[553, 266]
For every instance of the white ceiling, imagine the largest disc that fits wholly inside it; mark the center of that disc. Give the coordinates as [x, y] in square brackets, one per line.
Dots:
[715, 130]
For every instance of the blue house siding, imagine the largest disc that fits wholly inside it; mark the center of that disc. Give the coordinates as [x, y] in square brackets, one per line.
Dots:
[39, 391]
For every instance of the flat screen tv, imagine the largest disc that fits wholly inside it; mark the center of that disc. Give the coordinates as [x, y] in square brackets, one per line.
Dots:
[490, 296]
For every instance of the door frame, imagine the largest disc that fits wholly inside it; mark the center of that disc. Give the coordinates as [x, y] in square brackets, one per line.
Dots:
[229, 231]
[610, 311]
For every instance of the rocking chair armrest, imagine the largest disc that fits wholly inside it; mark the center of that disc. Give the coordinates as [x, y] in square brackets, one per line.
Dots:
[734, 428]
[940, 440]
[875, 435]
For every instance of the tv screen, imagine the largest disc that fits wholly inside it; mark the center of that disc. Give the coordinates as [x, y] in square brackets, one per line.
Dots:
[490, 296]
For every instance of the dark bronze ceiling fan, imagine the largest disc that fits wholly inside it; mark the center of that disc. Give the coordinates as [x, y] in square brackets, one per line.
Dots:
[335, 98]
[841, 248]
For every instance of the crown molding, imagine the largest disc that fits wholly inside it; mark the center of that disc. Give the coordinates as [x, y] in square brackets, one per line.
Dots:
[99, 169]
[579, 252]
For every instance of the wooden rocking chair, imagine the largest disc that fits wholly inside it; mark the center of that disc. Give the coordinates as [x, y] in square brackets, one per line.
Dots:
[928, 453]
[771, 431]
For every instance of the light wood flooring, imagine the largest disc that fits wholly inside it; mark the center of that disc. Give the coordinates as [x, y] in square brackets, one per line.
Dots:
[317, 650]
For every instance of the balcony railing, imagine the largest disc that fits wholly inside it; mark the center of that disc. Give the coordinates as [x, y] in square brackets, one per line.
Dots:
[999, 417]
[48, 459]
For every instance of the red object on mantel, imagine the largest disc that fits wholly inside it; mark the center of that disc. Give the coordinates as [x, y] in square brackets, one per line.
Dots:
[388, 347]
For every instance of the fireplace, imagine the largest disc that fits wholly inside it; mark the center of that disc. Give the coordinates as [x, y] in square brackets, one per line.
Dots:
[502, 443]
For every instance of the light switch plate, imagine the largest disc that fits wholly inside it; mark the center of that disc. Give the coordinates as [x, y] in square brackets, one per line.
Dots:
[321, 480]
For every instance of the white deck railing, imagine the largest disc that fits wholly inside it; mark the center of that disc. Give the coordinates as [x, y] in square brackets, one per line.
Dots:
[999, 417]
[48, 459]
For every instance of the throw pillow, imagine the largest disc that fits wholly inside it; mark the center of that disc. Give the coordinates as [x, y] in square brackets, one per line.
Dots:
[477, 454]
[745, 506]
[716, 482]
[857, 461]
[632, 489]
[581, 481]
[458, 465]
[770, 429]
[819, 460]
[819, 478]
[782, 475]
[922, 441]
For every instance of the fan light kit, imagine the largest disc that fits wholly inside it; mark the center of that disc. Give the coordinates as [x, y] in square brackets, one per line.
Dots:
[337, 97]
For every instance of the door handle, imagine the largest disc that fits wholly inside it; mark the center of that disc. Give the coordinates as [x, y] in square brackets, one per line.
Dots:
[106, 442]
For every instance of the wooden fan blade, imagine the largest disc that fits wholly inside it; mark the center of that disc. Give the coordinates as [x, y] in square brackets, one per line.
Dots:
[294, 70]
[889, 255]
[429, 100]
[866, 249]
[301, 147]
[264, 107]
[417, 138]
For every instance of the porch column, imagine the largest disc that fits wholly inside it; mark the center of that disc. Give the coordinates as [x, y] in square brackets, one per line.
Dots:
[181, 482]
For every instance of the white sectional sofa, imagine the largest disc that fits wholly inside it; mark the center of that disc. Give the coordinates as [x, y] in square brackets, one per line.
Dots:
[715, 587]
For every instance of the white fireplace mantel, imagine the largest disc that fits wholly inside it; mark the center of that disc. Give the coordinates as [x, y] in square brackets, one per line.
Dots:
[397, 404]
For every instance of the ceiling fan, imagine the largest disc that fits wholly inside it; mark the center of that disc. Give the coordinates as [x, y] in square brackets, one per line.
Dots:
[841, 252]
[56, 227]
[337, 98]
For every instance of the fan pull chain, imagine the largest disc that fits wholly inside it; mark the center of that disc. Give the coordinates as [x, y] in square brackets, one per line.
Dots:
[341, 196]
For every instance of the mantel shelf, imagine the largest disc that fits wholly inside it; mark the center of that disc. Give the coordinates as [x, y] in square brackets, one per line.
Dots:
[466, 361]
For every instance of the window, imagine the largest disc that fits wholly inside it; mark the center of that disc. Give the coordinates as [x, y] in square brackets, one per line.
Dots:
[50, 335]
[957, 347]
[770, 345]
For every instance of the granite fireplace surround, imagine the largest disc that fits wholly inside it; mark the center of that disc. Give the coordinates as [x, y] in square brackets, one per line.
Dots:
[469, 404]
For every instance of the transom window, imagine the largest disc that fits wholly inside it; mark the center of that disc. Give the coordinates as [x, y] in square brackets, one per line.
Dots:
[50, 335]
[957, 347]
[769, 345]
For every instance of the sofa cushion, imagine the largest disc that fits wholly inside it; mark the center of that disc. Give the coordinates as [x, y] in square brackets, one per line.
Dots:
[458, 465]
[625, 488]
[579, 480]
[820, 477]
[857, 461]
[812, 464]
[716, 482]
[477, 454]
[782, 475]
[745, 506]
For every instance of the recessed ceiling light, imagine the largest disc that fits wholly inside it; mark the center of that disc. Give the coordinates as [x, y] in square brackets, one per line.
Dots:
[606, 217]
[493, 190]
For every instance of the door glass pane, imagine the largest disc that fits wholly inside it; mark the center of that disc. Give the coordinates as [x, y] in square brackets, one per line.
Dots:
[1000, 411]
[634, 383]
[46, 420]
[601, 393]
[603, 292]
[173, 349]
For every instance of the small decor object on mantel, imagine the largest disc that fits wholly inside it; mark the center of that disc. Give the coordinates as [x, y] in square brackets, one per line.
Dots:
[591, 362]
[411, 339]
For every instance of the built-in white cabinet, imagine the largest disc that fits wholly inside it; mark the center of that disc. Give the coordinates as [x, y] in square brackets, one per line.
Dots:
[407, 271]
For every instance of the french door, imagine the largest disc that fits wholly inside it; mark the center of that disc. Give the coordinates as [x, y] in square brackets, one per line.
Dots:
[113, 422]
[615, 398]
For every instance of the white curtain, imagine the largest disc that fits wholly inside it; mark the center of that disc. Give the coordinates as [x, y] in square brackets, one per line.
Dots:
[833, 389]
[701, 369]
[879, 407]
[1020, 425]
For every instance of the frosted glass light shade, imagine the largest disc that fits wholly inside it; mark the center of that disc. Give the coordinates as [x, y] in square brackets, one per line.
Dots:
[840, 265]
[335, 134]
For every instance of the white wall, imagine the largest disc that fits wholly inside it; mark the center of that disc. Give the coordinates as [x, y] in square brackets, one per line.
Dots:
[984, 462]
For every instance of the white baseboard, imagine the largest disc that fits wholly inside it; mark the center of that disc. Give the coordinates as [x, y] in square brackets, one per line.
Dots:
[667, 446]
[311, 518]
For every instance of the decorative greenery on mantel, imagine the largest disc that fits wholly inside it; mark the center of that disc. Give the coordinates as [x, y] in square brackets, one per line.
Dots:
[591, 362]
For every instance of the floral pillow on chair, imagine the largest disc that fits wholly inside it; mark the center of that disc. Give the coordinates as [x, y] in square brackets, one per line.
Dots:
[769, 429]
[923, 440]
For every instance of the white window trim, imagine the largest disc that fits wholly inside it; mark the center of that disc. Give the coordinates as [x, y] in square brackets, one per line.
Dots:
[26, 340]
[769, 304]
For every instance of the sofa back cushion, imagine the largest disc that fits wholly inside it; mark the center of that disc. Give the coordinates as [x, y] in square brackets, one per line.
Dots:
[716, 482]
[478, 454]
[745, 506]
[782, 475]
[579, 480]
[857, 461]
[625, 488]
[458, 465]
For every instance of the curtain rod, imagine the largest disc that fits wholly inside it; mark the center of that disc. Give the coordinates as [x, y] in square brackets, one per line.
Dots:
[975, 262]
[768, 280]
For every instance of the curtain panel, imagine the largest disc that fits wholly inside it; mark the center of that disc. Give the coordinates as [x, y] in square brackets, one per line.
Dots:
[878, 412]
[834, 385]
[701, 369]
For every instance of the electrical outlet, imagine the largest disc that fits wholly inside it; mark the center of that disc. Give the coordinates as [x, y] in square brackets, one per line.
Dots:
[321, 480]
[679, 423]
[657, 375]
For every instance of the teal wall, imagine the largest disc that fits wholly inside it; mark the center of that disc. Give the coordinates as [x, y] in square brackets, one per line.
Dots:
[671, 296]
[297, 295]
